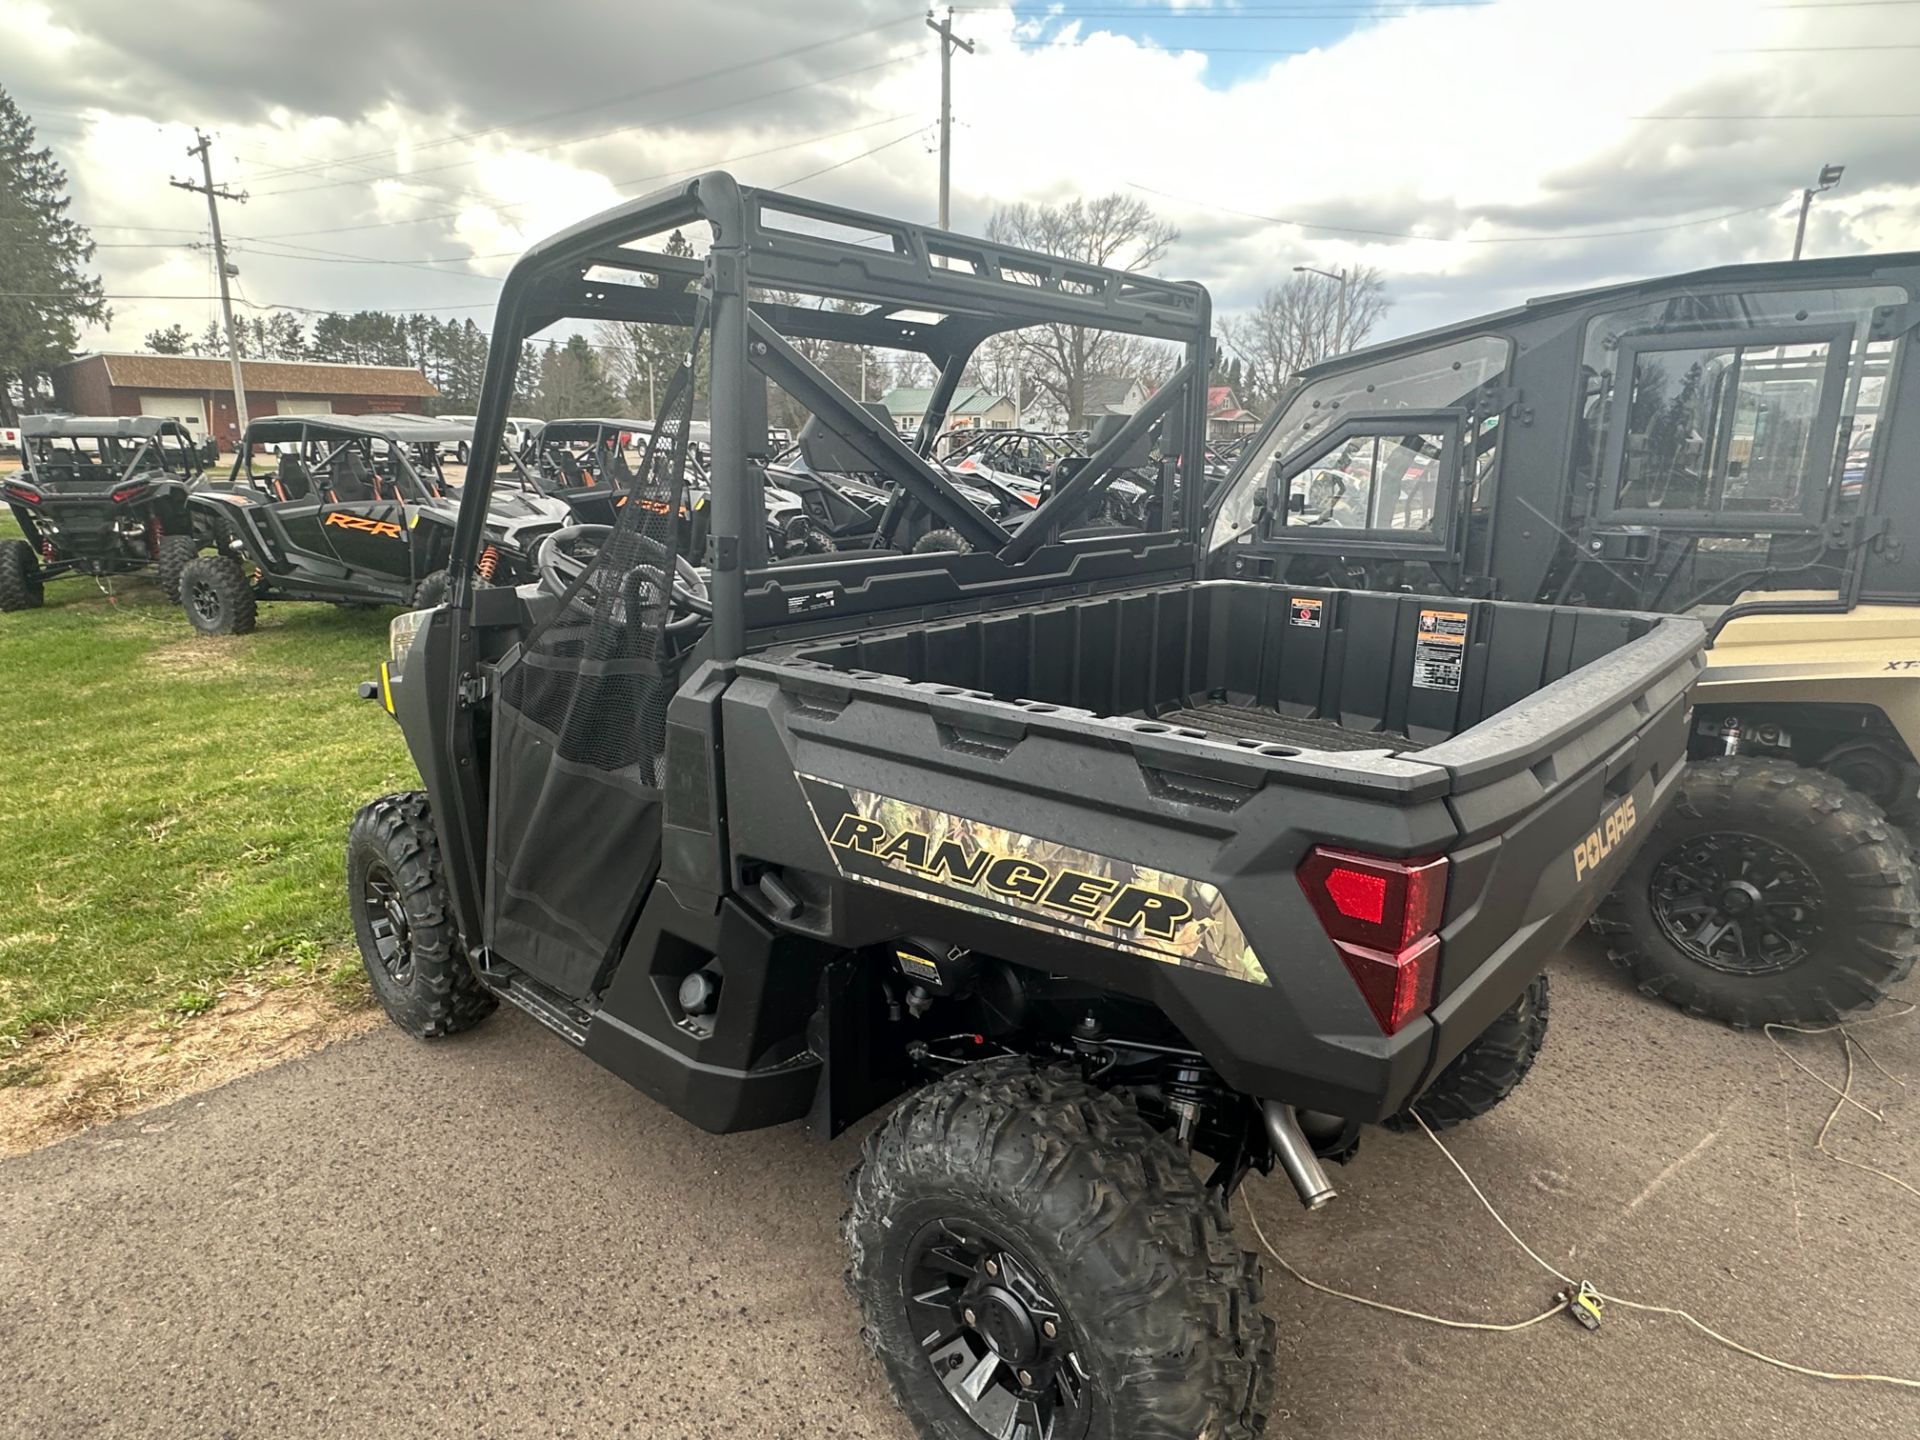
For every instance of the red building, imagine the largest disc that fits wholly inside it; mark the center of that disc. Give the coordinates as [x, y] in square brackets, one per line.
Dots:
[198, 391]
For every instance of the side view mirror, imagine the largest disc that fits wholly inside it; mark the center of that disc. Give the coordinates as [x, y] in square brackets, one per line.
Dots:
[1297, 503]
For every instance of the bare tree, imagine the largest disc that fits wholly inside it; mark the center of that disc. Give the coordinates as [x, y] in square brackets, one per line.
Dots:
[638, 359]
[1298, 323]
[1119, 231]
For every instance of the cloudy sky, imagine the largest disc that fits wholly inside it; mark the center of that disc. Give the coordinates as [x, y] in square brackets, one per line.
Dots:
[397, 155]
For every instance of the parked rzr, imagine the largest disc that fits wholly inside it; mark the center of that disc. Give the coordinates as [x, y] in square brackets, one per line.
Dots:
[101, 496]
[824, 494]
[1084, 863]
[1734, 443]
[588, 465]
[349, 509]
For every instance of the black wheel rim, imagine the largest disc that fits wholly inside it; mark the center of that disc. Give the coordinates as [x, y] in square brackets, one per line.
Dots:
[387, 920]
[206, 602]
[1738, 903]
[995, 1334]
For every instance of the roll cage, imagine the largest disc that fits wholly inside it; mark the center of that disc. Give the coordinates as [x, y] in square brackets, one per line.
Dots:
[345, 458]
[887, 284]
[120, 446]
[583, 453]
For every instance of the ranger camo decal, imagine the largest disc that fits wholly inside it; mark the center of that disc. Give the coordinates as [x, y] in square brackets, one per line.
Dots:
[1041, 884]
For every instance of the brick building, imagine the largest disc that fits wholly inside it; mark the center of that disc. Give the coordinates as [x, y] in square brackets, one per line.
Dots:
[198, 391]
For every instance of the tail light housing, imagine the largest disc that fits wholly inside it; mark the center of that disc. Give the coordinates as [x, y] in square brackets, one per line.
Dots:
[1383, 916]
[24, 493]
[131, 492]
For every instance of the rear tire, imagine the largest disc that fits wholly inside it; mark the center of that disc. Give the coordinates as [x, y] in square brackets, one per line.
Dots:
[1028, 1197]
[218, 596]
[1488, 1070]
[432, 591]
[1768, 894]
[20, 584]
[176, 553]
[404, 921]
[938, 542]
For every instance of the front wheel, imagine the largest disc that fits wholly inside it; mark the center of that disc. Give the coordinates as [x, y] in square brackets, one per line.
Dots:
[218, 596]
[404, 921]
[20, 583]
[1767, 894]
[1033, 1259]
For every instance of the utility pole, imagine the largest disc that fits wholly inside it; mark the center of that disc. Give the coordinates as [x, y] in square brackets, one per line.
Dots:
[948, 40]
[215, 194]
[1829, 177]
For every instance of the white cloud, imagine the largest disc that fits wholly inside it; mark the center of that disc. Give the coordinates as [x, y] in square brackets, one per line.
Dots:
[1458, 124]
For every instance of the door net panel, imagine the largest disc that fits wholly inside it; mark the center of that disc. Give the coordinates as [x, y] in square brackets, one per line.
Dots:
[580, 727]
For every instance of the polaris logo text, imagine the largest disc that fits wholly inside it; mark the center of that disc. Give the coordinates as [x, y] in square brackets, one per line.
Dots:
[340, 520]
[1151, 913]
[1588, 854]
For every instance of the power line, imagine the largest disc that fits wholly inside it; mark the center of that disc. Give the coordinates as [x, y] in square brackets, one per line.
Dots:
[840, 164]
[1828, 115]
[405, 176]
[1292, 12]
[1177, 47]
[1302, 11]
[1447, 240]
[641, 93]
[617, 185]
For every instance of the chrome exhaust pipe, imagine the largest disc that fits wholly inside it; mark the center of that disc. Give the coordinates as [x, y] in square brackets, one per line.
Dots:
[1296, 1155]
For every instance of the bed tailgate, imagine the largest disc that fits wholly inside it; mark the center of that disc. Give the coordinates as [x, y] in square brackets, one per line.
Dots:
[1551, 799]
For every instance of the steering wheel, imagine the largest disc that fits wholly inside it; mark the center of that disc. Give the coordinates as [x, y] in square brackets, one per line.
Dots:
[562, 557]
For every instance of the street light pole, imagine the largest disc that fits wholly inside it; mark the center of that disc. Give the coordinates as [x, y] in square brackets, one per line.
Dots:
[1342, 277]
[1829, 177]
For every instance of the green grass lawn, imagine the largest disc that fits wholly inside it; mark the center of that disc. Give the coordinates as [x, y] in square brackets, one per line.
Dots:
[176, 807]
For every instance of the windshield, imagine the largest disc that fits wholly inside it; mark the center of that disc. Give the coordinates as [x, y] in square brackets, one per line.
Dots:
[1439, 378]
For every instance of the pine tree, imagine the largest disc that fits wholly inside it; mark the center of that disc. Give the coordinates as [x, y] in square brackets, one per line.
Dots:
[45, 292]
[174, 340]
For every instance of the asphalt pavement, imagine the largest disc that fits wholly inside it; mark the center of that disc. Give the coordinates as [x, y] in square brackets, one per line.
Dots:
[491, 1237]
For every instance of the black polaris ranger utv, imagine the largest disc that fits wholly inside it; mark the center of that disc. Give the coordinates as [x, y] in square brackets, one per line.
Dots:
[101, 496]
[349, 509]
[1105, 861]
[1736, 443]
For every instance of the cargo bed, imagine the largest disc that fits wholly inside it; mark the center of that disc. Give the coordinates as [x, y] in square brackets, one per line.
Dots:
[1281, 672]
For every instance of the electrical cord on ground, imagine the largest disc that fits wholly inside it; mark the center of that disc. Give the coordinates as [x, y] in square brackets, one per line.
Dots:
[1312, 1284]
[1561, 1305]
[1843, 1093]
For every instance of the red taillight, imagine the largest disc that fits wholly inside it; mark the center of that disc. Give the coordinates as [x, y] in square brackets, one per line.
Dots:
[129, 492]
[1383, 917]
[25, 494]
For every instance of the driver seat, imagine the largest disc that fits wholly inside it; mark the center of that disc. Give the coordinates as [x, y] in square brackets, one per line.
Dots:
[352, 480]
[290, 479]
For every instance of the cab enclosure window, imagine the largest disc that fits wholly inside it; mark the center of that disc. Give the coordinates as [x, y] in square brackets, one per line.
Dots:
[1384, 479]
[1736, 425]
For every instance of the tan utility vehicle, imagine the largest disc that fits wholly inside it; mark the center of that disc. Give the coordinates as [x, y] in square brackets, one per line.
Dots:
[1739, 443]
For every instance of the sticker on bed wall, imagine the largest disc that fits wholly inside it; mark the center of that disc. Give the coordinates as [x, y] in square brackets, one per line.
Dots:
[1039, 884]
[1304, 610]
[1440, 652]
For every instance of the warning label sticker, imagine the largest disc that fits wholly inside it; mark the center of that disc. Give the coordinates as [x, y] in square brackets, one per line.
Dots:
[1304, 610]
[1441, 650]
[807, 601]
